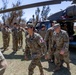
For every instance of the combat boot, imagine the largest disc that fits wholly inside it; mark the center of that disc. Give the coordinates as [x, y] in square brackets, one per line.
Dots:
[42, 74]
[68, 67]
[57, 68]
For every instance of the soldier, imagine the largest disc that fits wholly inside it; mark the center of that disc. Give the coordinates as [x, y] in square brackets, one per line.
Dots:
[60, 37]
[15, 37]
[48, 40]
[34, 43]
[20, 36]
[9, 31]
[3, 64]
[6, 37]
[42, 31]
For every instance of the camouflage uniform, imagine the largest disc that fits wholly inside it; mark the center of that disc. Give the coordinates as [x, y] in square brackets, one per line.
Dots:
[20, 37]
[42, 33]
[2, 69]
[6, 37]
[62, 43]
[26, 33]
[48, 40]
[15, 38]
[36, 46]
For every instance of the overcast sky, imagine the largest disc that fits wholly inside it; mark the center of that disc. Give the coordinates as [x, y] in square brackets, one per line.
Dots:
[29, 12]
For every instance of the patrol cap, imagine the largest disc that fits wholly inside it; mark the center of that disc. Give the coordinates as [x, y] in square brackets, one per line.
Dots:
[16, 24]
[56, 26]
[7, 26]
[54, 21]
[30, 25]
[43, 25]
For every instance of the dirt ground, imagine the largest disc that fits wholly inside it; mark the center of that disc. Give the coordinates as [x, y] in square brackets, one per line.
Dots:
[18, 66]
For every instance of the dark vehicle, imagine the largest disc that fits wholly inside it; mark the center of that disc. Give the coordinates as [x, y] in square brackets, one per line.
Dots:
[67, 18]
[46, 23]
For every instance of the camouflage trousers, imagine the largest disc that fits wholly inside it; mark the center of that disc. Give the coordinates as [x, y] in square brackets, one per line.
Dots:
[51, 54]
[8, 40]
[20, 41]
[15, 44]
[59, 57]
[5, 43]
[34, 63]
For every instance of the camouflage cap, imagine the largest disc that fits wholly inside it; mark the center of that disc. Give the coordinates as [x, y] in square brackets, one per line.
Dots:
[30, 25]
[56, 26]
[16, 24]
[7, 26]
[54, 21]
[43, 25]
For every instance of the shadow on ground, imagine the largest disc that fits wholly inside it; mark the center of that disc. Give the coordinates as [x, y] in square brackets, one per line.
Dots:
[73, 56]
[62, 71]
[13, 56]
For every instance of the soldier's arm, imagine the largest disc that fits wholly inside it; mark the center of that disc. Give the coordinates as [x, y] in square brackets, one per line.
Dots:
[46, 39]
[26, 48]
[66, 41]
[42, 44]
[51, 45]
[22, 29]
[47, 36]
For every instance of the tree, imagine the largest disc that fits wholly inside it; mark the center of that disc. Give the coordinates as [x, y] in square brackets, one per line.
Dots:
[13, 16]
[44, 12]
[4, 15]
[37, 12]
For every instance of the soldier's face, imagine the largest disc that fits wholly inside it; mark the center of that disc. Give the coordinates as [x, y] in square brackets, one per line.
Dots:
[43, 28]
[57, 30]
[53, 24]
[29, 30]
[14, 25]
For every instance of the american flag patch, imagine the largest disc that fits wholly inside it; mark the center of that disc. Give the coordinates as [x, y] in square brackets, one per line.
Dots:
[41, 40]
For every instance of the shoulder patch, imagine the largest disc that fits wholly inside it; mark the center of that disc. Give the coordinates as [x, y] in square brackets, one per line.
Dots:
[41, 40]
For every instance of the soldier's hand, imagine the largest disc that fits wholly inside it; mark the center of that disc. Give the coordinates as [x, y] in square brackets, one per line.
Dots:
[62, 52]
[25, 57]
[47, 56]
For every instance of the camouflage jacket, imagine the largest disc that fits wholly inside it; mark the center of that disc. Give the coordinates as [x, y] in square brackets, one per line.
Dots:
[19, 32]
[35, 43]
[48, 37]
[15, 32]
[61, 39]
[5, 32]
[42, 33]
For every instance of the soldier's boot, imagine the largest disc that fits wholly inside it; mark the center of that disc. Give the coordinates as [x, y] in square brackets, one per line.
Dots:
[68, 66]
[30, 72]
[41, 71]
[61, 63]
[57, 67]
[2, 72]
[26, 58]
[4, 50]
